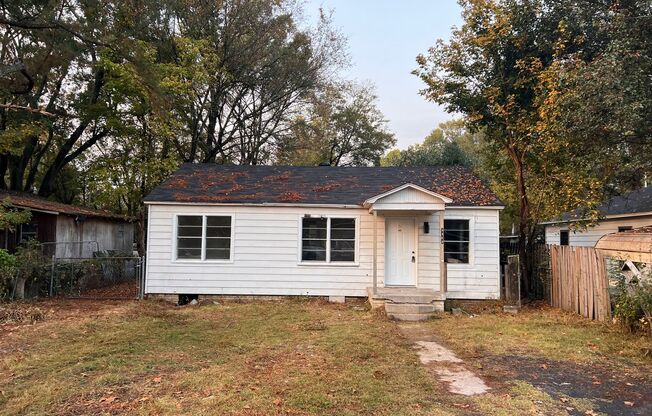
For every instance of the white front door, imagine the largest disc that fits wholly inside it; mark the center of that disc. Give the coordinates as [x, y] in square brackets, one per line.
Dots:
[400, 253]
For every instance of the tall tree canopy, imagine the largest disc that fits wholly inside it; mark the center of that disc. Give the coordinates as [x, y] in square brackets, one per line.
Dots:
[451, 143]
[517, 68]
[342, 127]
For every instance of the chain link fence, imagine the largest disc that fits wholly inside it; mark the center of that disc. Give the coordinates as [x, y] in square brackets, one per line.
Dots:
[101, 277]
[52, 270]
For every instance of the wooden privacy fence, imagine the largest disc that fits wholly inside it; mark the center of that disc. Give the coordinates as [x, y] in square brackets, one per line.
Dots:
[579, 281]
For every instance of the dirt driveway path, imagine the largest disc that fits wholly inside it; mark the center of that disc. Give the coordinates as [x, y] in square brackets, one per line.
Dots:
[601, 388]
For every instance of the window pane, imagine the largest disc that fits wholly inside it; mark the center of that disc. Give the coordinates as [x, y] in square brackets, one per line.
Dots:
[456, 257]
[343, 245]
[342, 223]
[346, 234]
[313, 244]
[313, 255]
[218, 243]
[314, 228]
[189, 231]
[189, 248]
[317, 233]
[189, 243]
[456, 235]
[456, 241]
[191, 220]
[218, 232]
[342, 256]
[342, 239]
[218, 221]
[456, 247]
[218, 253]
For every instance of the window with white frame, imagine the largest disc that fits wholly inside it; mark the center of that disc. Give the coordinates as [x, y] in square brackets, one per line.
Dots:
[326, 239]
[204, 237]
[456, 241]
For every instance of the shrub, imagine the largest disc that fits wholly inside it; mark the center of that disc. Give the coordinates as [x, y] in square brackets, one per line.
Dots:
[633, 301]
[7, 273]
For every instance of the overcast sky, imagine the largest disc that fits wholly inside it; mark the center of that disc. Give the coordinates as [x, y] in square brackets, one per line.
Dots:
[384, 37]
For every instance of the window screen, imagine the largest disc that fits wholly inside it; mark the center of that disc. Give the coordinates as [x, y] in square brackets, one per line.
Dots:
[342, 239]
[218, 238]
[189, 236]
[313, 239]
[456, 241]
[203, 237]
[328, 239]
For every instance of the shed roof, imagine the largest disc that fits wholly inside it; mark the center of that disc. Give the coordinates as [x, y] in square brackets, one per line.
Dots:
[211, 183]
[37, 203]
[635, 245]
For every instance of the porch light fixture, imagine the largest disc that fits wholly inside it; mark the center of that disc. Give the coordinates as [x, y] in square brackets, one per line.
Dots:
[426, 227]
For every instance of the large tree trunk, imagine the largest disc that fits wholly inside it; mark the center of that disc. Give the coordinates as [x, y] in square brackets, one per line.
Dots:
[524, 220]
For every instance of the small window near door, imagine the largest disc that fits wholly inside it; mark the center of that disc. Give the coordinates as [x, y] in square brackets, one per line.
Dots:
[456, 241]
[563, 237]
[624, 228]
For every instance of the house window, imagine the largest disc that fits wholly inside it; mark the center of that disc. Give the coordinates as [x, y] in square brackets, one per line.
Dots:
[563, 237]
[28, 232]
[328, 239]
[203, 237]
[456, 241]
[624, 228]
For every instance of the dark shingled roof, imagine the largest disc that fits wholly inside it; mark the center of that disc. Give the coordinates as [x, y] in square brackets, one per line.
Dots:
[634, 202]
[211, 183]
[37, 203]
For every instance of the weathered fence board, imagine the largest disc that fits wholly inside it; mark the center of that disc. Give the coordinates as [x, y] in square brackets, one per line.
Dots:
[579, 281]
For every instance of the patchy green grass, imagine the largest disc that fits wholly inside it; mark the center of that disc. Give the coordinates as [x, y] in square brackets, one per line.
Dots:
[544, 332]
[294, 357]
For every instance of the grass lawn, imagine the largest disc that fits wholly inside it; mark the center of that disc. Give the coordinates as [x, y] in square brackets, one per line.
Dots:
[292, 357]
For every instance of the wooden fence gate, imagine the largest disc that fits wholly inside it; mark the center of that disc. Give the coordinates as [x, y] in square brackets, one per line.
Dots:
[579, 281]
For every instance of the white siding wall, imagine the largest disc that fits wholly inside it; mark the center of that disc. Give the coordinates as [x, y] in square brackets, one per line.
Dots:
[591, 235]
[266, 243]
[480, 279]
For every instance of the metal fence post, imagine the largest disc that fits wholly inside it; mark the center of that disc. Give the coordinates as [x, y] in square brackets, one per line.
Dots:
[52, 276]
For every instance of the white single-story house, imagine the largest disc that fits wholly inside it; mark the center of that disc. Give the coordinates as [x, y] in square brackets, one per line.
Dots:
[621, 213]
[322, 231]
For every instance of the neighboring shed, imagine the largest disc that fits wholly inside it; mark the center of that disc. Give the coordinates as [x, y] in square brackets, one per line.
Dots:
[633, 245]
[68, 231]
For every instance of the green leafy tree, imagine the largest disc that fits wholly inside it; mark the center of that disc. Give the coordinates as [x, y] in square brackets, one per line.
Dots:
[493, 70]
[449, 144]
[343, 127]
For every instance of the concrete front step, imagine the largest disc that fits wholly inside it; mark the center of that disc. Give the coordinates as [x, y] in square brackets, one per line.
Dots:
[410, 316]
[413, 311]
[410, 308]
[410, 299]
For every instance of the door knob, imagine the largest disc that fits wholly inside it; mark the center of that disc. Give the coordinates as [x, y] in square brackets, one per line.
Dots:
[413, 259]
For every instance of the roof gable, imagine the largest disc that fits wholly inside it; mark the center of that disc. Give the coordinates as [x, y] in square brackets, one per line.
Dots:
[409, 193]
[311, 185]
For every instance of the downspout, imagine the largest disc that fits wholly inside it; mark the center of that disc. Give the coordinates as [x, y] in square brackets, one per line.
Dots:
[375, 265]
[443, 272]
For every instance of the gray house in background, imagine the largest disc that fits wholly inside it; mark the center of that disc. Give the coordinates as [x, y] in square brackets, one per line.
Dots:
[621, 213]
[68, 231]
